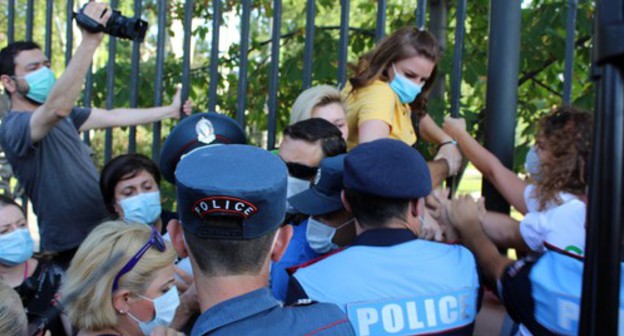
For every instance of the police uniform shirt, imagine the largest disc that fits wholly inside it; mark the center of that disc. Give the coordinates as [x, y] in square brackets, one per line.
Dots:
[390, 282]
[259, 313]
[545, 294]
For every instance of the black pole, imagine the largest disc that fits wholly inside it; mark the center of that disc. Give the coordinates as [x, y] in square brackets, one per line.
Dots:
[134, 79]
[421, 13]
[569, 52]
[502, 90]
[343, 43]
[69, 31]
[214, 56]
[30, 14]
[160, 66]
[88, 90]
[189, 6]
[241, 96]
[110, 92]
[380, 31]
[274, 73]
[11, 21]
[601, 276]
[309, 44]
[48, 29]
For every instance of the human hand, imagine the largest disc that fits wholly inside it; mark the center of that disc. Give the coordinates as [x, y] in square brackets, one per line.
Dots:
[465, 215]
[187, 108]
[454, 126]
[430, 229]
[164, 331]
[453, 157]
[438, 205]
[189, 306]
[100, 13]
[183, 280]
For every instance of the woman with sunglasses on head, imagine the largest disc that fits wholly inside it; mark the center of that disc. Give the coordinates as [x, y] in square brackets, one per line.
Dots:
[35, 279]
[387, 96]
[554, 201]
[133, 296]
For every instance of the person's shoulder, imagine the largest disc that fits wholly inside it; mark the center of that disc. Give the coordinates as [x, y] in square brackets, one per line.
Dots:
[315, 318]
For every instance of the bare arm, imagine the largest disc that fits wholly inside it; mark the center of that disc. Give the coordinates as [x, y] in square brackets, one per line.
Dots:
[370, 130]
[503, 231]
[464, 215]
[61, 100]
[503, 179]
[431, 132]
[439, 170]
[100, 118]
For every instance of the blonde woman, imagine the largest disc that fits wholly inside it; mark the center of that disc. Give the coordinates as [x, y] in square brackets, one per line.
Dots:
[322, 101]
[134, 296]
[12, 316]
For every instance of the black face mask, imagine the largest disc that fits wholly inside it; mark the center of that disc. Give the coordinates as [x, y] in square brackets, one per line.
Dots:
[301, 171]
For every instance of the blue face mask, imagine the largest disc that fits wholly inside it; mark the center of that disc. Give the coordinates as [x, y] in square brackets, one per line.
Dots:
[165, 307]
[40, 84]
[142, 208]
[15, 247]
[532, 164]
[404, 88]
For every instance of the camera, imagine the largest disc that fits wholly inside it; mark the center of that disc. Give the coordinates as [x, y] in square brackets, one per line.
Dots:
[117, 25]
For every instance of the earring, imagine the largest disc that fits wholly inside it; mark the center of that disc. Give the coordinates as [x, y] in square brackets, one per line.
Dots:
[121, 311]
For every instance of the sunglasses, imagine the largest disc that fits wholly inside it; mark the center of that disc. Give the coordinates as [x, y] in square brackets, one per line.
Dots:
[301, 171]
[155, 240]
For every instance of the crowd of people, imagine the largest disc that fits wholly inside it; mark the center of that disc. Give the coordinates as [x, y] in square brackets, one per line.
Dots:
[343, 230]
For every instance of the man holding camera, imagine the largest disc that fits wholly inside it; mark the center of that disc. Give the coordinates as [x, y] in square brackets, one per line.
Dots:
[40, 135]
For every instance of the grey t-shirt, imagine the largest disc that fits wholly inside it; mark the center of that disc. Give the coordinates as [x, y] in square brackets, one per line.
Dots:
[58, 175]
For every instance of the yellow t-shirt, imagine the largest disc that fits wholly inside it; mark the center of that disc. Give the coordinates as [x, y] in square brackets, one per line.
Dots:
[377, 101]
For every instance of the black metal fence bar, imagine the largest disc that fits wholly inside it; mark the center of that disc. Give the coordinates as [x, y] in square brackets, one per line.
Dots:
[214, 56]
[11, 21]
[160, 65]
[458, 57]
[69, 31]
[86, 99]
[110, 89]
[30, 16]
[48, 29]
[189, 7]
[309, 44]
[134, 79]
[343, 42]
[380, 31]
[421, 13]
[241, 98]
[274, 72]
[569, 51]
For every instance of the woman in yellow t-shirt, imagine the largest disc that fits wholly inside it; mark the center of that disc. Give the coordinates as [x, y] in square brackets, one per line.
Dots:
[389, 89]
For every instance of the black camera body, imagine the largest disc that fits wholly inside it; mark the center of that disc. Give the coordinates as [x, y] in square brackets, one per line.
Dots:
[117, 25]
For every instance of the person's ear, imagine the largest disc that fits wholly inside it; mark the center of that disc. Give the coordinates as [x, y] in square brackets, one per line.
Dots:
[121, 299]
[176, 232]
[8, 83]
[345, 203]
[118, 210]
[417, 207]
[284, 234]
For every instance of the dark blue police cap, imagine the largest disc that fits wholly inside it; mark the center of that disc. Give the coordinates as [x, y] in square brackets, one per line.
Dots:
[324, 196]
[194, 131]
[387, 168]
[235, 180]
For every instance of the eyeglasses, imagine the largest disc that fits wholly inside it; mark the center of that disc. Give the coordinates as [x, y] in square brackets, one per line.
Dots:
[155, 240]
[301, 171]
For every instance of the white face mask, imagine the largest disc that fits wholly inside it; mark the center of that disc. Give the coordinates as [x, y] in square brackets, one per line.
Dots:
[532, 164]
[295, 186]
[320, 235]
[165, 307]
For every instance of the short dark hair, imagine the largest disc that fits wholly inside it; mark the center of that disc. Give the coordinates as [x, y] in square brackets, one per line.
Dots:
[121, 168]
[223, 257]
[374, 211]
[6, 200]
[317, 129]
[8, 54]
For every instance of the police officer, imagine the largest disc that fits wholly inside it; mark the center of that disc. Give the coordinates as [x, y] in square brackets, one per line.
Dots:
[231, 202]
[388, 281]
[542, 294]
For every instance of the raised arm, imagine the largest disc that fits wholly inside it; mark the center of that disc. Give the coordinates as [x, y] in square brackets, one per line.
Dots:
[61, 100]
[431, 132]
[503, 179]
[503, 231]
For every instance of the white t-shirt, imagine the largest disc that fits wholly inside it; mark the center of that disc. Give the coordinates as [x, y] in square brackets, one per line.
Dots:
[562, 226]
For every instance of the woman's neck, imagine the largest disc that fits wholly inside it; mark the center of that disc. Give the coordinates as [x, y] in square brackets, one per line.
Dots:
[14, 276]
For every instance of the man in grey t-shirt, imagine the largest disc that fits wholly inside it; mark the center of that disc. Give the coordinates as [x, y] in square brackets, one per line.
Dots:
[40, 136]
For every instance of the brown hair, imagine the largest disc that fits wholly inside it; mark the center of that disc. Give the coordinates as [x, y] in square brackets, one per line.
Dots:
[566, 133]
[404, 43]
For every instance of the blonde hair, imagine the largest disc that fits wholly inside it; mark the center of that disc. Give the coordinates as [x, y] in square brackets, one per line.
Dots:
[12, 316]
[308, 100]
[93, 308]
